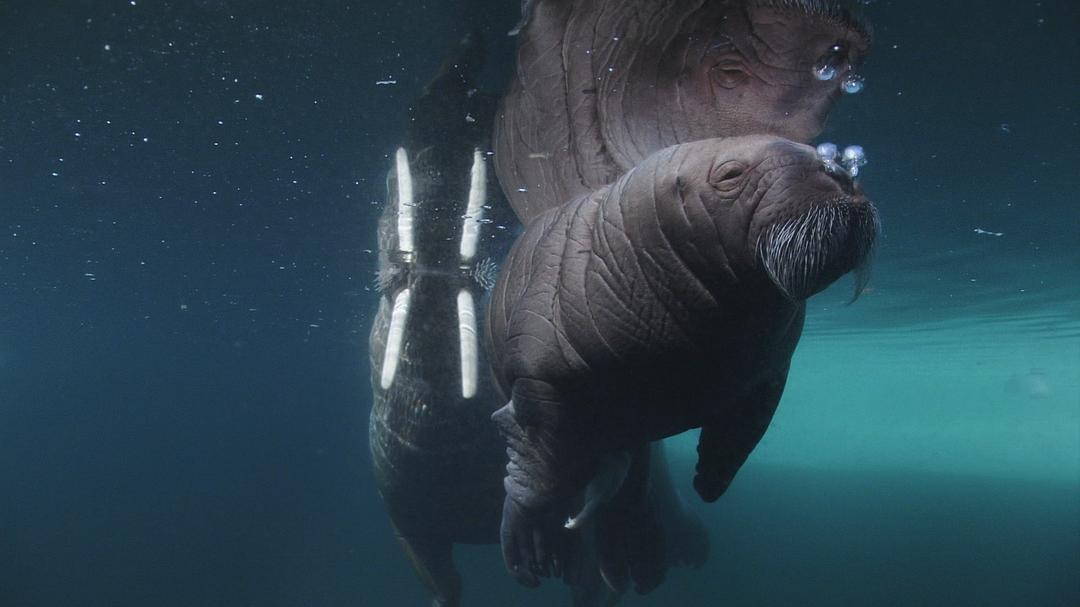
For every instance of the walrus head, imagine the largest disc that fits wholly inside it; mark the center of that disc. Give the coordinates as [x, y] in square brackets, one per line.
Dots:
[730, 68]
[780, 210]
[603, 84]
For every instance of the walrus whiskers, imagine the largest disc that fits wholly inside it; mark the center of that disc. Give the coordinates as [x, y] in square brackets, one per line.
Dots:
[814, 248]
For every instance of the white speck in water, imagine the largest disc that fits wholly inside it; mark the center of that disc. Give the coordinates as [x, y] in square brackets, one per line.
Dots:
[259, 96]
[385, 82]
[108, 47]
[523, 189]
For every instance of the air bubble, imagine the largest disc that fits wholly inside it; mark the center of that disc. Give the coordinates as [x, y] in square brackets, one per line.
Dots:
[824, 69]
[827, 151]
[853, 83]
[854, 157]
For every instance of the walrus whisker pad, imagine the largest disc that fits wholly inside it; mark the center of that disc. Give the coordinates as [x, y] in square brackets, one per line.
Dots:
[806, 253]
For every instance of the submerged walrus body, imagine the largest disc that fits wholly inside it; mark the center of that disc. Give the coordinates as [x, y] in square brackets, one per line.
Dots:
[438, 460]
[672, 299]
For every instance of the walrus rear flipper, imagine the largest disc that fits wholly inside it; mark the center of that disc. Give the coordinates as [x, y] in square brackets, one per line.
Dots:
[630, 542]
[685, 535]
[725, 444]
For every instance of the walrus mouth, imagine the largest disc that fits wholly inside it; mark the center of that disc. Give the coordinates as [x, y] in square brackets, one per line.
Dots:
[805, 254]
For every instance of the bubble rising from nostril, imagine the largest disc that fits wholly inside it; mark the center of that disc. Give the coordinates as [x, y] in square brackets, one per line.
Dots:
[853, 83]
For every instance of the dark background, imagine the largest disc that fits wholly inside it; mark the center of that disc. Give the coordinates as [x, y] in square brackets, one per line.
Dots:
[185, 272]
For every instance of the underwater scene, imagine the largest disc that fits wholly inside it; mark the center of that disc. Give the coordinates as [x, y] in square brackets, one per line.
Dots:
[287, 288]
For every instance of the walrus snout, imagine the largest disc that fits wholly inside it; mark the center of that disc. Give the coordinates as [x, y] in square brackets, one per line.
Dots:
[806, 253]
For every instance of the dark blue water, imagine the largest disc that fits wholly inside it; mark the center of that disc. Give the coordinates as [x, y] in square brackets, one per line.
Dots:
[188, 193]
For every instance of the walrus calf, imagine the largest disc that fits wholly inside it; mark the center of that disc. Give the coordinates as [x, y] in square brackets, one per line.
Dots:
[672, 299]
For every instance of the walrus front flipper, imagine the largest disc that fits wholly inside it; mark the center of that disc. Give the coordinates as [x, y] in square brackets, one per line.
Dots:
[551, 460]
[432, 559]
[725, 443]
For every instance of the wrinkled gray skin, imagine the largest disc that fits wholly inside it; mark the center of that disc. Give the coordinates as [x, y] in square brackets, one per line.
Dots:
[672, 299]
[602, 84]
[438, 459]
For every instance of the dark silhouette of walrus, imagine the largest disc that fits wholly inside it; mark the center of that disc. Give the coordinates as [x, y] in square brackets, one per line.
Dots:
[672, 299]
[436, 456]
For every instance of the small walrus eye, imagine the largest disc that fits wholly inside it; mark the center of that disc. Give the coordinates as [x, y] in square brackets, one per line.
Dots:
[727, 175]
[729, 75]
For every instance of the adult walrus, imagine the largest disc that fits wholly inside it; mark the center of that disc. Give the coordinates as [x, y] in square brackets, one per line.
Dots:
[672, 299]
[602, 84]
[436, 455]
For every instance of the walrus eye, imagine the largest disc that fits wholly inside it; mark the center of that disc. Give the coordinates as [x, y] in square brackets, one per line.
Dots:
[729, 75]
[727, 175]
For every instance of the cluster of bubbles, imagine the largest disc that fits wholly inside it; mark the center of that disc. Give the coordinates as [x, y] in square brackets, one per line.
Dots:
[832, 63]
[850, 161]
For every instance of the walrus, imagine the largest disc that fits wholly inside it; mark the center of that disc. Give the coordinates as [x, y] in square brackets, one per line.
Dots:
[602, 84]
[438, 458]
[436, 455]
[672, 299]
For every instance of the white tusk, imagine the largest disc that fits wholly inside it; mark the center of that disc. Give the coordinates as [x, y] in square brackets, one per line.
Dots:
[466, 313]
[470, 229]
[404, 202]
[393, 338]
